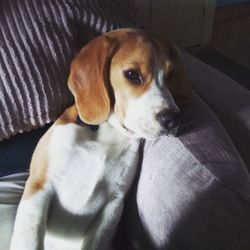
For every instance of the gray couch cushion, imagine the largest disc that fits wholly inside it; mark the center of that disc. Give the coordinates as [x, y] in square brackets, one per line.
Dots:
[38, 40]
[193, 191]
[229, 100]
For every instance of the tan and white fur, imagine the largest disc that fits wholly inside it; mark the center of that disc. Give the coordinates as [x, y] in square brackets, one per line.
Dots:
[130, 83]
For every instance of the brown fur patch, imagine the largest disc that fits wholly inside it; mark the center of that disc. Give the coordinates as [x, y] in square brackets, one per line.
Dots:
[179, 84]
[39, 161]
[68, 116]
[134, 52]
[89, 80]
[38, 166]
[176, 76]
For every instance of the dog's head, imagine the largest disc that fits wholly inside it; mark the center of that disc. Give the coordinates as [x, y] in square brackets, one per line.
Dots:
[133, 79]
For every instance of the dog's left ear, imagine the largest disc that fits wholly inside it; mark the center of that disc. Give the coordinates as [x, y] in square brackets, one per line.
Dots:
[180, 85]
[89, 80]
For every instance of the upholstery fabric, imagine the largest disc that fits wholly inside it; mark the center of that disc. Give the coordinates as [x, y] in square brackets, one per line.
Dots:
[229, 100]
[193, 190]
[38, 39]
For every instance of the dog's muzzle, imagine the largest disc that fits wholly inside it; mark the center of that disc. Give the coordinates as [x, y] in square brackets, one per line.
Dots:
[169, 120]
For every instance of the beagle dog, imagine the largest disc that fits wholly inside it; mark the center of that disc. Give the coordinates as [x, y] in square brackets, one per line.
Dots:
[130, 84]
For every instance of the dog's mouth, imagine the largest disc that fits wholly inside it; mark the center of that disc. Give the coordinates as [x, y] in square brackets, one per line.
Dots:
[172, 133]
[150, 134]
[162, 133]
[131, 132]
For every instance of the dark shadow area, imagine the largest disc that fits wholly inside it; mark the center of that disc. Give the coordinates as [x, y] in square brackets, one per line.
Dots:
[131, 234]
[207, 210]
[223, 64]
[216, 220]
[16, 152]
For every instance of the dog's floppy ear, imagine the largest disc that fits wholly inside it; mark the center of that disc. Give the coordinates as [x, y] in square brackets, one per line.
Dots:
[180, 85]
[89, 80]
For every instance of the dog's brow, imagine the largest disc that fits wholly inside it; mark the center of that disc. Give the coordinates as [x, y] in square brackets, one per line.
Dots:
[168, 65]
[159, 77]
[132, 64]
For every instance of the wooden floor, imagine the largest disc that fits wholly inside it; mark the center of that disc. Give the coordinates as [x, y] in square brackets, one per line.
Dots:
[231, 34]
[229, 49]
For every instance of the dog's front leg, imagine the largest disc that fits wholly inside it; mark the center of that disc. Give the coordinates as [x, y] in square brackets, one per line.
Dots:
[31, 217]
[103, 227]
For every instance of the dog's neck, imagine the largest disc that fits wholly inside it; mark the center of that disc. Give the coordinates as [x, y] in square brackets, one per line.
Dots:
[113, 121]
[81, 123]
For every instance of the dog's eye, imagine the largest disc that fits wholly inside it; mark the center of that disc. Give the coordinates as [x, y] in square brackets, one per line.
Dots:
[133, 76]
[170, 75]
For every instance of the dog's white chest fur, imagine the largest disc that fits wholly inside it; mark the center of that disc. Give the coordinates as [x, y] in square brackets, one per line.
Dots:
[86, 164]
[87, 170]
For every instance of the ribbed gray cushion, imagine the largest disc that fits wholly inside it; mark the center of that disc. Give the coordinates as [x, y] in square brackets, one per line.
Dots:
[38, 39]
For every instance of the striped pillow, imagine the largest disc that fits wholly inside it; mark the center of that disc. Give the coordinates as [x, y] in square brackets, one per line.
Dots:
[38, 40]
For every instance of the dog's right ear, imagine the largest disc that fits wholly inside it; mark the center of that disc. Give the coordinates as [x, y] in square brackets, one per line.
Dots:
[180, 85]
[89, 80]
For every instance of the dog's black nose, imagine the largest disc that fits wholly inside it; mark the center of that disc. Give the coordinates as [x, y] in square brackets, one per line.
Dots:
[168, 119]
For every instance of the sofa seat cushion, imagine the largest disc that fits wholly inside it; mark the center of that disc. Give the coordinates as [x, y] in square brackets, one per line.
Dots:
[193, 191]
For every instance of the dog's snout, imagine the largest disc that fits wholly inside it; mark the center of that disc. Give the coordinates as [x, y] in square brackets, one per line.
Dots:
[168, 119]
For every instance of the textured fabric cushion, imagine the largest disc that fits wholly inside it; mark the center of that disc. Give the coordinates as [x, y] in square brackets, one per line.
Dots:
[228, 99]
[193, 190]
[38, 39]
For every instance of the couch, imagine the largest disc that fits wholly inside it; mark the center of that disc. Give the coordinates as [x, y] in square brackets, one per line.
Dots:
[192, 192]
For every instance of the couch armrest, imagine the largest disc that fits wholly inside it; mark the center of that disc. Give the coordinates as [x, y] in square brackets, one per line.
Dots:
[193, 191]
[228, 99]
